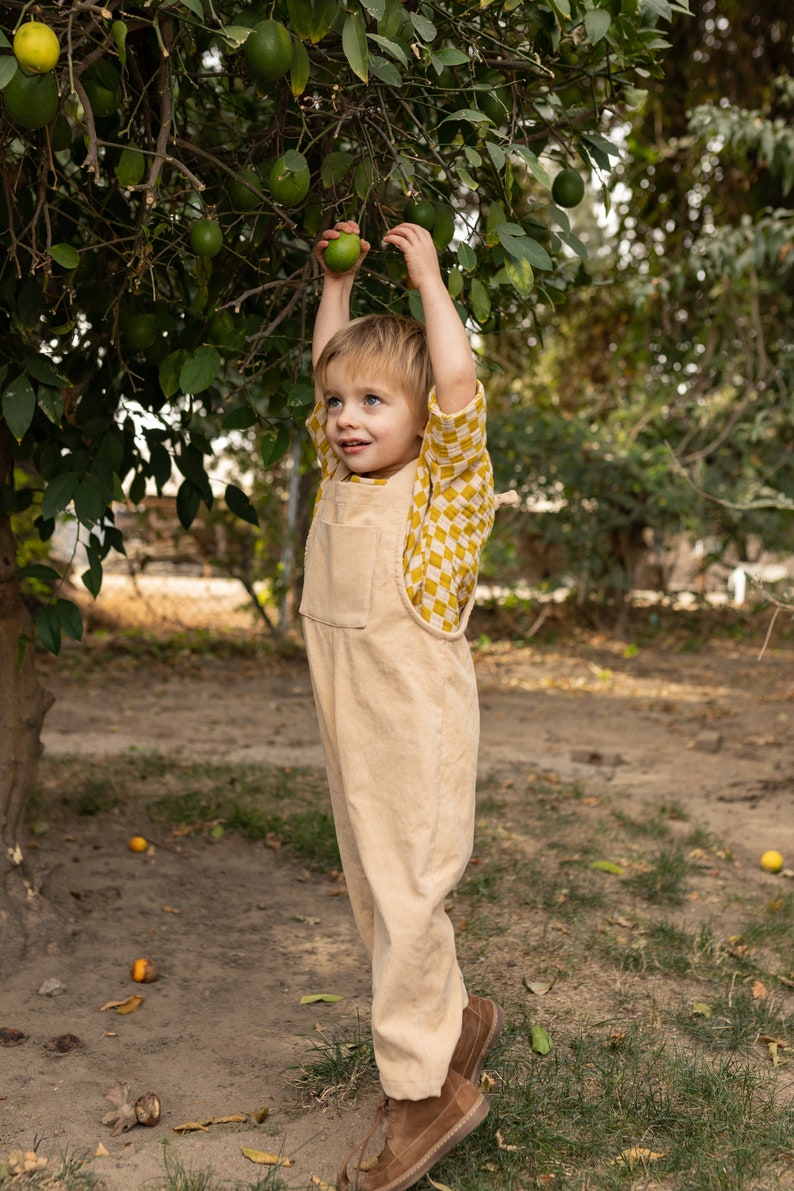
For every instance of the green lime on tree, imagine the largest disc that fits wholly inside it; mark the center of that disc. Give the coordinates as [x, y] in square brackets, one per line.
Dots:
[268, 51]
[239, 190]
[421, 212]
[289, 179]
[342, 254]
[36, 47]
[567, 189]
[31, 99]
[139, 329]
[206, 237]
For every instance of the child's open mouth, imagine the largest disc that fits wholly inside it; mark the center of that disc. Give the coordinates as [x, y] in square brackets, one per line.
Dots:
[349, 445]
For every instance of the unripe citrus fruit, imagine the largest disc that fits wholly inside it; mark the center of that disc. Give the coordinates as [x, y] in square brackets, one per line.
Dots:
[31, 99]
[567, 189]
[342, 254]
[268, 50]
[137, 844]
[241, 198]
[206, 237]
[443, 227]
[144, 971]
[289, 179]
[772, 861]
[421, 212]
[36, 47]
[140, 331]
[104, 102]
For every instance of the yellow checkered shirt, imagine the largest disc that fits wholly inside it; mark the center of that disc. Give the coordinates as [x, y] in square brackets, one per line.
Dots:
[452, 509]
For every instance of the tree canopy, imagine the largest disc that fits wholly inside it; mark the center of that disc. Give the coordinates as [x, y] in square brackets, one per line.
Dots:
[165, 177]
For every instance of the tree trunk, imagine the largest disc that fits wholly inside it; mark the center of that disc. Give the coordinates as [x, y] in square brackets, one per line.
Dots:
[26, 920]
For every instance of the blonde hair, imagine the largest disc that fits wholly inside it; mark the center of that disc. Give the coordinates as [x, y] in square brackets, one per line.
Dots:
[395, 346]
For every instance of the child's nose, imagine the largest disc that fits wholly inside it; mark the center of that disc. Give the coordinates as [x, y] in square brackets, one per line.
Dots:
[347, 416]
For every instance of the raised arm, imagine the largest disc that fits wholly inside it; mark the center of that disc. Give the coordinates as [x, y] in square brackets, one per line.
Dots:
[334, 310]
[451, 356]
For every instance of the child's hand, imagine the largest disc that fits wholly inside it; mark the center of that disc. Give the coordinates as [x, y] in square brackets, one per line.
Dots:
[350, 226]
[416, 245]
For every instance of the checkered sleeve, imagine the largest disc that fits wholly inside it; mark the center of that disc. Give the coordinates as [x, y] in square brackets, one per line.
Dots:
[315, 424]
[451, 515]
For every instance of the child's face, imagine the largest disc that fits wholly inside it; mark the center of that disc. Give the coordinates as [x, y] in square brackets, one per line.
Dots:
[372, 424]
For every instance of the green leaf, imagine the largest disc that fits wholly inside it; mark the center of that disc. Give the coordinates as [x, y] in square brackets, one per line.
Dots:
[541, 1040]
[195, 6]
[188, 500]
[66, 256]
[170, 370]
[130, 166]
[235, 35]
[59, 493]
[533, 165]
[375, 8]
[312, 19]
[241, 418]
[393, 48]
[596, 23]
[467, 257]
[8, 68]
[300, 69]
[90, 500]
[240, 505]
[19, 406]
[92, 578]
[199, 370]
[69, 619]
[524, 248]
[450, 57]
[118, 31]
[480, 301]
[354, 44]
[313, 998]
[386, 71]
[275, 444]
[42, 369]
[520, 275]
[48, 627]
[37, 570]
[424, 27]
[334, 167]
[466, 177]
[607, 866]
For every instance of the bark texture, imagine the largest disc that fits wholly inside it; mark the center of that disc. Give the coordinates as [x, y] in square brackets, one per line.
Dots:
[25, 918]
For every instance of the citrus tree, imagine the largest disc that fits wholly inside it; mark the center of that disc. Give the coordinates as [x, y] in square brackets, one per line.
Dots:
[167, 165]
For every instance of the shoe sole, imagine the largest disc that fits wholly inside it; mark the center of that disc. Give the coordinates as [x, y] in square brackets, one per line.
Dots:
[473, 1118]
[490, 1043]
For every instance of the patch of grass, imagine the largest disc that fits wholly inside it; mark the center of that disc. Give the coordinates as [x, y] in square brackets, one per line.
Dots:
[178, 1177]
[339, 1069]
[662, 946]
[663, 879]
[736, 1020]
[70, 1172]
[287, 805]
[618, 1109]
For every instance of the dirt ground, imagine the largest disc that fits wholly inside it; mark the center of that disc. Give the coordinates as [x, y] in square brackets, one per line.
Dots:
[241, 932]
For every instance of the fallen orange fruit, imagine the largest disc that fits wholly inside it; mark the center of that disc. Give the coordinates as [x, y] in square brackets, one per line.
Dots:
[137, 844]
[144, 971]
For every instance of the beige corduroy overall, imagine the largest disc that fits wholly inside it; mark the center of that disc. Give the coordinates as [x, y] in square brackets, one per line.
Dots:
[397, 706]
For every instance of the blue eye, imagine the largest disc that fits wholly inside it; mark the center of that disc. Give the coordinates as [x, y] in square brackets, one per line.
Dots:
[332, 402]
[372, 399]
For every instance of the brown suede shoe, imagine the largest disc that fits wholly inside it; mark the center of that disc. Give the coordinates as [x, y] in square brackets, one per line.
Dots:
[420, 1132]
[482, 1025]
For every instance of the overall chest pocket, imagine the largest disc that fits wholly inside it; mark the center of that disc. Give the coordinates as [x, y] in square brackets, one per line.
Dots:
[339, 573]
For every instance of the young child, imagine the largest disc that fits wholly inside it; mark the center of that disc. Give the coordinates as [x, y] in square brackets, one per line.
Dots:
[405, 506]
